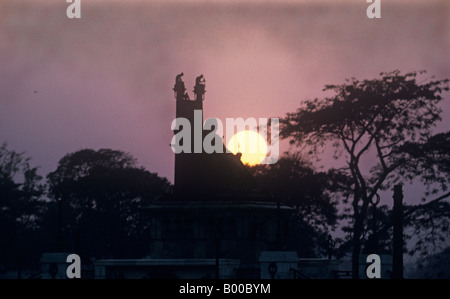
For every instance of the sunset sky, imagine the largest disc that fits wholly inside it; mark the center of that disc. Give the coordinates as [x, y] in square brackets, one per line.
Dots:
[105, 81]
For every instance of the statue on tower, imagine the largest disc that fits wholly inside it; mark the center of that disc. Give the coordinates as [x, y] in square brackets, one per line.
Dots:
[200, 80]
[179, 88]
[199, 88]
[178, 78]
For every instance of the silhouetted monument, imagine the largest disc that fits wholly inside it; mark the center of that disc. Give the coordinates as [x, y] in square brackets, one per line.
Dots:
[215, 213]
[200, 174]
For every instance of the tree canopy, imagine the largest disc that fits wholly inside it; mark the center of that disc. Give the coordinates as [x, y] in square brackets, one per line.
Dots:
[101, 195]
[387, 121]
[21, 208]
[294, 182]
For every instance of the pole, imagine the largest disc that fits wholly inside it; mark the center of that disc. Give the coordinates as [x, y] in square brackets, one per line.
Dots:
[217, 241]
[397, 255]
[278, 233]
[59, 240]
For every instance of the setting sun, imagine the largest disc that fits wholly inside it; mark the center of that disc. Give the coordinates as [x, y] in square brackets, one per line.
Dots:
[251, 144]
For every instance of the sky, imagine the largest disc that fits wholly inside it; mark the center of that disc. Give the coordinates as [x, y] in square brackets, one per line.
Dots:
[105, 80]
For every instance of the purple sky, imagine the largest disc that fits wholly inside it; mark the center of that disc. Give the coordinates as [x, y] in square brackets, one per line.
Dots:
[105, 81]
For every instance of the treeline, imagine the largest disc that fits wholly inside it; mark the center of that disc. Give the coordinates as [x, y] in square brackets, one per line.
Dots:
[91, 204]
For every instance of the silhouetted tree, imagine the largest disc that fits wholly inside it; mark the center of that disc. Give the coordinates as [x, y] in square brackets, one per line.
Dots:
[20, 210]
[376, 121]
[100, 195]
[294, 182]
[430, 221]
[435, 266]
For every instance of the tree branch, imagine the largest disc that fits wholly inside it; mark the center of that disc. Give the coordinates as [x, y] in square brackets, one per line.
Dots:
[413, 209]
[426, 205]
[380, 155]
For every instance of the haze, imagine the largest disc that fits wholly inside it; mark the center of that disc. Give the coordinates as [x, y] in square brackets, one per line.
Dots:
[106, 81]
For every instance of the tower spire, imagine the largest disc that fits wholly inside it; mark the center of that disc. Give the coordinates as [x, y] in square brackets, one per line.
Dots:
[187, 165]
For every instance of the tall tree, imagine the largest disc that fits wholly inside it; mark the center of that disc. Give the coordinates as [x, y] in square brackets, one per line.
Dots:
[100, 196]
[21, 207]
[372, 120]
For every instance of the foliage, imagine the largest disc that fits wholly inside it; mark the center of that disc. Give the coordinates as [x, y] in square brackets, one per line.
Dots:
[21, 208]
[386, 121]
[294, 182]
[102, 195]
